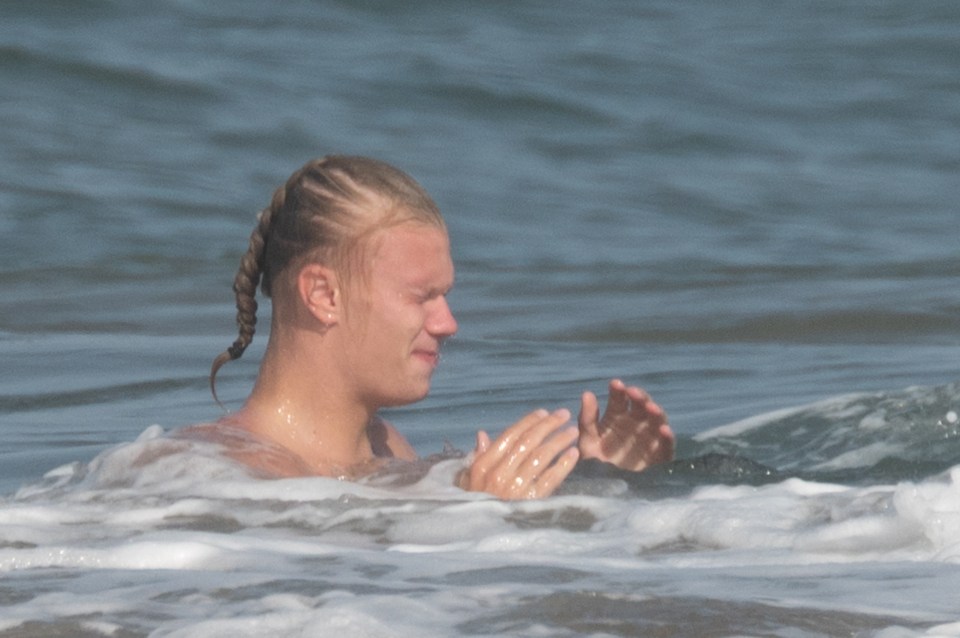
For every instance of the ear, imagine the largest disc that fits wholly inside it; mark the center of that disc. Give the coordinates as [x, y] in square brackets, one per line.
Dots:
[319, 291]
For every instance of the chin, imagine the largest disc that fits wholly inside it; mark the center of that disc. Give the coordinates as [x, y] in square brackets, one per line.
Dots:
[411, 396]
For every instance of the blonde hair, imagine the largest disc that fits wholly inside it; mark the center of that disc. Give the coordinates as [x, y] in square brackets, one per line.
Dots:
[322, 213]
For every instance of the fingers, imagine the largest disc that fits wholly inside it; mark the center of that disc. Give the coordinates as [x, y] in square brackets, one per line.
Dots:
[642, 406]
[633, 402]
[654, 446]
[529, 460]
[633, 433]
[589, 413]
[540, 473]
[588, 422]
[618, 400]
[530, 430]
[483, 443]
[554, 475]
[668, 444]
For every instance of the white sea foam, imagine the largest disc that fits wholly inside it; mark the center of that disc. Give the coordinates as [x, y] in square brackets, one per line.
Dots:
[865, 456]
[838, 407]
[317, 555]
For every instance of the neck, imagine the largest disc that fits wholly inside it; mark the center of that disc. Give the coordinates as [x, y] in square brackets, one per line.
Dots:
[304, 406]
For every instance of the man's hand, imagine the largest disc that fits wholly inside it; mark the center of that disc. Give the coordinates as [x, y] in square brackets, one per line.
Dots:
[529, 460]
[633, 433]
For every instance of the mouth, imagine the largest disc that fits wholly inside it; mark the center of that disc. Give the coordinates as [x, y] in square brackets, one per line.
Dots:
[431, 357]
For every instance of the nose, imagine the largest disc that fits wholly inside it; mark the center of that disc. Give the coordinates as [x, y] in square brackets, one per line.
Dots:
[441, 322]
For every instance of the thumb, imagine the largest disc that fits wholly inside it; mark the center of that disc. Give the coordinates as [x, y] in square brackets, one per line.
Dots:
[589, 413]
[483, 442]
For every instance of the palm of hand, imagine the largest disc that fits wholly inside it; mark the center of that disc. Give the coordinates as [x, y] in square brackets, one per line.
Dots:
[633, 433]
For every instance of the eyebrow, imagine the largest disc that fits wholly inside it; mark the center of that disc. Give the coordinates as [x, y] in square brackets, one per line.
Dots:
[432, 291]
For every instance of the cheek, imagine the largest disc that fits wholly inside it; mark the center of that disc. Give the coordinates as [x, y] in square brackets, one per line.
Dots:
[391, 320]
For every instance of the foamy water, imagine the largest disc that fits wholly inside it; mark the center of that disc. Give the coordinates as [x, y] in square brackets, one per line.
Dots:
[166, 537]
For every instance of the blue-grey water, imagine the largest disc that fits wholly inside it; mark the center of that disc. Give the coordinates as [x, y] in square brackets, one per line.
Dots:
[750, 209]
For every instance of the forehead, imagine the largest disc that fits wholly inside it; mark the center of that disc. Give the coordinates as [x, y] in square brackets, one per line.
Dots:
[414, 253]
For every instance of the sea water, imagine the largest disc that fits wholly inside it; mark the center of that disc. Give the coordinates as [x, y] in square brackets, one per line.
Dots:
[750, 210]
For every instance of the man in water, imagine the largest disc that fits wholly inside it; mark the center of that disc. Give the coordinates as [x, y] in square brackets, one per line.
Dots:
[356, 258]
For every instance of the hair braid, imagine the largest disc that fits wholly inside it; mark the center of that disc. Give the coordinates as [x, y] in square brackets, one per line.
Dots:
[245, 288]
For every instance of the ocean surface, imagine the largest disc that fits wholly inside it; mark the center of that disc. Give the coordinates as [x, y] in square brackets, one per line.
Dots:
[750, 209]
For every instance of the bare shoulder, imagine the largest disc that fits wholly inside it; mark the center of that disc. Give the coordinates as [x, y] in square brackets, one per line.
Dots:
[387, 441]
[264, 458]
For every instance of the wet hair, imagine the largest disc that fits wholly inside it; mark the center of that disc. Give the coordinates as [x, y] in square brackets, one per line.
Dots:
[322, 213]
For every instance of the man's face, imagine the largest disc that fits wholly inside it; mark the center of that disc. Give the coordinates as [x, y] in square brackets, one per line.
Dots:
[398, 314]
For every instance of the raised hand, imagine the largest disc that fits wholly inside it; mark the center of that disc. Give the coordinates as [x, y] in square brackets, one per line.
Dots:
[633, 433]
[529, 460]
